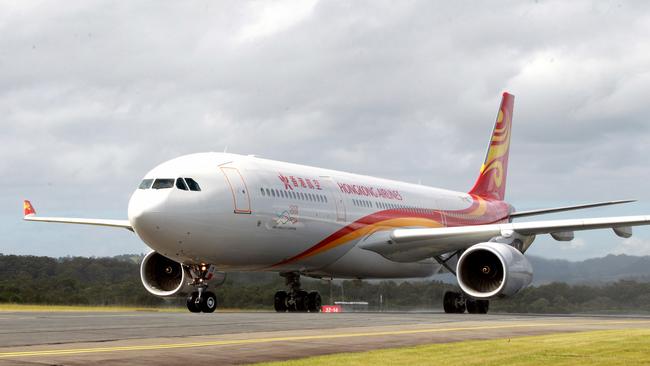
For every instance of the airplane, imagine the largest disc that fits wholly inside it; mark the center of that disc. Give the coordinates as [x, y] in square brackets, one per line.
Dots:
[209, 213]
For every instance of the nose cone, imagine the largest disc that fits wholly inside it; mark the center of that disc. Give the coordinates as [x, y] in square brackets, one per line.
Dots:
[146, 214]
[143, 203]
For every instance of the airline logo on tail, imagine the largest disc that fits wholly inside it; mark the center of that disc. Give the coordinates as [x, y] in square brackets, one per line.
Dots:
[28, 209]
[491, 182]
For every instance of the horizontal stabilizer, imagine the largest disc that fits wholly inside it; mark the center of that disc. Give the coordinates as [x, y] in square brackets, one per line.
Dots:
[567, 208]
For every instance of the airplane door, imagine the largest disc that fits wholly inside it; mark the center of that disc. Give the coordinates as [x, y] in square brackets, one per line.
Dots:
[240, 196]
[338, 198]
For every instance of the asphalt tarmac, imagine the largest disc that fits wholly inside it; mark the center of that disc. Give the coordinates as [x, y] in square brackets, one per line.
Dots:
[145, 338]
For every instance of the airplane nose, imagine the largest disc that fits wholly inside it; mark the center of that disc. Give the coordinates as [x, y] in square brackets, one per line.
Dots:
[145, 211]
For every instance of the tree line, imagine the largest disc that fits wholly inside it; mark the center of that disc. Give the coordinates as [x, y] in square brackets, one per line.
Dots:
[116, 281]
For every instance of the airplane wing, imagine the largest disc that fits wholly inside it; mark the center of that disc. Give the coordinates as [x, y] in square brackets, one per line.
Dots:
[408, 245]
[544, 211]
[30, 215]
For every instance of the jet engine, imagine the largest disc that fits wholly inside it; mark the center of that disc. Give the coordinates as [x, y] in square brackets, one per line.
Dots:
[164, 277]
[488, 270]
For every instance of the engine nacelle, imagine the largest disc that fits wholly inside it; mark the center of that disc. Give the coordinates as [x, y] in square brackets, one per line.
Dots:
[164, 277]
[488, 270]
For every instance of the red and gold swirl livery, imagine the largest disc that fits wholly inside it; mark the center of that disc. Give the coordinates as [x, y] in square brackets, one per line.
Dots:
[28, 209]
[491, 183]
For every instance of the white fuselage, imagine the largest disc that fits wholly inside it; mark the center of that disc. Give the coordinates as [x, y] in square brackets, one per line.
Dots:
[254, 214]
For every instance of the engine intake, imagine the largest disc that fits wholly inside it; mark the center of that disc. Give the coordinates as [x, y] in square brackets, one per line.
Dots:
[162, 276]
[488, 270]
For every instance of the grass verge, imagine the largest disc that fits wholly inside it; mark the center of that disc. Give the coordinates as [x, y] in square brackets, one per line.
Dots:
[616, 347]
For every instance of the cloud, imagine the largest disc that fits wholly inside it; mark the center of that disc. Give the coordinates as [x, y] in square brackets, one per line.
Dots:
[633, 246]
[271, 18]
[94, 94]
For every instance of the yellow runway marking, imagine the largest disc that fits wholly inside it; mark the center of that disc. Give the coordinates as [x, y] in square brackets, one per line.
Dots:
[76, 351]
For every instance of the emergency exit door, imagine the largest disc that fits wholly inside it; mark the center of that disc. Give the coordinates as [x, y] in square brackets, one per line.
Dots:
[338, 198]
[241, 198]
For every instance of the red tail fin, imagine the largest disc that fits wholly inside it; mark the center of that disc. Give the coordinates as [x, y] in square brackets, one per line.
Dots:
[491, 182]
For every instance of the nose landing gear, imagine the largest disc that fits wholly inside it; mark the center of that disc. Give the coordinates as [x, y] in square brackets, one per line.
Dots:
[296, 299]
[202, 300]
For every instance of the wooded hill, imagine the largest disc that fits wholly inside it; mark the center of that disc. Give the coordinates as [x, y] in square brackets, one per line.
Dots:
[116, 281]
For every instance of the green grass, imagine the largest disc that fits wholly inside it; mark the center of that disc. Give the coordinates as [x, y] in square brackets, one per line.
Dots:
[617, 347]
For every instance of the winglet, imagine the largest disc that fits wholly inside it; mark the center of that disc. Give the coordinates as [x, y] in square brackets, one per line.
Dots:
[28, 209]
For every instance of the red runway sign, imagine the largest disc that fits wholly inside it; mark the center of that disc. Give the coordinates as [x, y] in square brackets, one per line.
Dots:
[331, 309]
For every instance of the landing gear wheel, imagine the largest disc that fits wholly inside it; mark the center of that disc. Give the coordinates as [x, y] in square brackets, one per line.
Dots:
[482, 306]
[453, 302]
[449, 302]
[300, 301]
[193, 303]
[472, 306]
[296, 299]
[208, 302]
[313, 302]
[280, 301]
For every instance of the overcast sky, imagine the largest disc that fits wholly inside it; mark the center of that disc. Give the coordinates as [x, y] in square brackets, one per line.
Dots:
[93, 94]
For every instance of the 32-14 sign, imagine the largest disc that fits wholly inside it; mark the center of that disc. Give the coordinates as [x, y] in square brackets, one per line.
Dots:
[331, 309]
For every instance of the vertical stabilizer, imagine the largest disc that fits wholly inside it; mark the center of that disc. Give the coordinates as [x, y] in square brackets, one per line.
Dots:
[491, 182]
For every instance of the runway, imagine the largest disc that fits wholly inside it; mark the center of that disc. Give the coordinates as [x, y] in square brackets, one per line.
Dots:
[142, 338]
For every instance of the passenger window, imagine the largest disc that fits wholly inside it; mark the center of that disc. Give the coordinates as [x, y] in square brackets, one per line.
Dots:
[262, 190]
[180, 184]
[163, 183]
[273, 192]
[145, 184]
[192, 184]
[268, 193]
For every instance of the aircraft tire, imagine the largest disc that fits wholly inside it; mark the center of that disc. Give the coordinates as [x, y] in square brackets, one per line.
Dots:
[193, 303]
[452, 303]
[301, 301]
[448, 302]
[314, 302]
[208, 302]
[472, 306]
[280, 302]
[482, 306]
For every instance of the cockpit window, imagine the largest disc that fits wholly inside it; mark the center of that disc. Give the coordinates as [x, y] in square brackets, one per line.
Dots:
[163, 183]
[180, 184]
[192, 184]
[146, 184]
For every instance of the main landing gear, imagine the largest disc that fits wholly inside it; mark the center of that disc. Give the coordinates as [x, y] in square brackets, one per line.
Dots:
[296, 299]
[456, 302]
[201, 300]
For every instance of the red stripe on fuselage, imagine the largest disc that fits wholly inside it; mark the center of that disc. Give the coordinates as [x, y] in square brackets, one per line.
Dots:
[496, 211]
